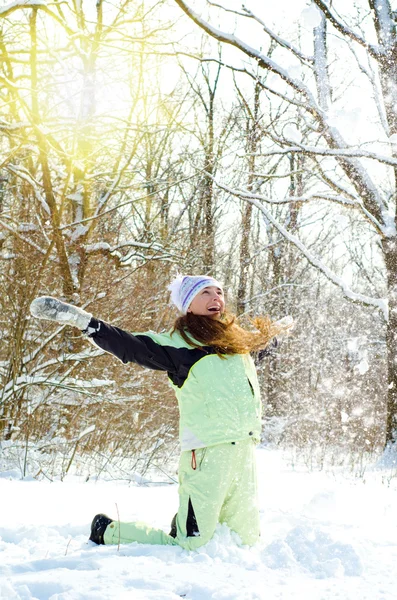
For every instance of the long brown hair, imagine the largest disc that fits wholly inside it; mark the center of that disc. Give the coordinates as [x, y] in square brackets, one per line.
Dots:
[225, 335]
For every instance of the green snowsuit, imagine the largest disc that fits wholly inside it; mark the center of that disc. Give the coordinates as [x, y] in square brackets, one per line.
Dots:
[220, 422]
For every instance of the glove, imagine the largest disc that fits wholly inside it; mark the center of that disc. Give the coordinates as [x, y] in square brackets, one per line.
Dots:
[287, 321]
[286, 324]
[61, 312]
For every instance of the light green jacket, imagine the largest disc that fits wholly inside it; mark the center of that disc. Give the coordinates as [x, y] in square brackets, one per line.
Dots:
[219, 400]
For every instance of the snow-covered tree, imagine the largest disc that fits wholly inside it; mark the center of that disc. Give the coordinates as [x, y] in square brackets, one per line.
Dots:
[87, 174]
[343, 54]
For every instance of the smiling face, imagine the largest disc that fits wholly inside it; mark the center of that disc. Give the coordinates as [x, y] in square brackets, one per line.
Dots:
[208, 303]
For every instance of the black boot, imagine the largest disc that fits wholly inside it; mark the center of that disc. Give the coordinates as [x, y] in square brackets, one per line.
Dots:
[98, 527]
[173, 531]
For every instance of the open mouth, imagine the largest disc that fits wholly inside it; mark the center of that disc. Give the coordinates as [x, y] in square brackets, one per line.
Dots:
[214, 309]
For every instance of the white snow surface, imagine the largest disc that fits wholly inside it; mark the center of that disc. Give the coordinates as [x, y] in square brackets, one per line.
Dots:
[325, 536]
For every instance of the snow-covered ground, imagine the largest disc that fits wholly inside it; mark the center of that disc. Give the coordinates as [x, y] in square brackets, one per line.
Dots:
[324, 536]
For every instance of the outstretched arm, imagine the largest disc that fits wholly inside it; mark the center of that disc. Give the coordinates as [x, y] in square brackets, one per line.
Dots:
[288, 323]
[140, 348]
[128, 347]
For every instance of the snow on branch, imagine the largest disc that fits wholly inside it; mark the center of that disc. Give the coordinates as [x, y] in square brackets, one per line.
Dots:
[5, 126]
[303, 105]
[26, 176]
[380, 303]
[99, 213]
[121, 261]
[103, 200]
[70, 384]
[347, 156]
[373, 78]
[80, 356]
[23, 238]
[10, 8]
[372, 200]
[331, 15]
[31, 356]
[229, 10]
[338, 152]
[66, 358]
[336, 198]
[263, 61]
[281, 41]
[244, 70]
[384, 23]
[27, 380]
[382, 229]
[92, 248]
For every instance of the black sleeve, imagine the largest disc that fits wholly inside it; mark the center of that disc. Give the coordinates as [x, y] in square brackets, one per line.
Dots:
[140, 349]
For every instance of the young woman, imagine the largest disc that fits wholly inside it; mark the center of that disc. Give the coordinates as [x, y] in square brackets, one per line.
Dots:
[207, 359]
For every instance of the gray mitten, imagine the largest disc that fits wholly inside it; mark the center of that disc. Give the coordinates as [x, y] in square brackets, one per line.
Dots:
[61, 312]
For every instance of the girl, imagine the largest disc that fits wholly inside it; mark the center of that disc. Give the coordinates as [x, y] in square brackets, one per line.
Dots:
[207, 359]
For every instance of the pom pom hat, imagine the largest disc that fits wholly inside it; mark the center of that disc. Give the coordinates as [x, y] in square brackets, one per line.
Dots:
[185, 288]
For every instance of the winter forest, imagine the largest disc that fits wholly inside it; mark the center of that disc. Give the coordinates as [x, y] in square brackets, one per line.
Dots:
[256, 143]
[142, 139]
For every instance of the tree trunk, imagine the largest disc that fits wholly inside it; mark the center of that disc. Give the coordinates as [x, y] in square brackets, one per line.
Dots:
[209, 194]
[388, 79]
[245, 253]
[390, 252]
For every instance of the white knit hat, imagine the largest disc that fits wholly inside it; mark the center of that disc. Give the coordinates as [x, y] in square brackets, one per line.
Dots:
[184, 288]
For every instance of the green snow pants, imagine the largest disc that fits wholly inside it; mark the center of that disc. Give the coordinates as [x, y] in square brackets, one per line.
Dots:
[217, 484]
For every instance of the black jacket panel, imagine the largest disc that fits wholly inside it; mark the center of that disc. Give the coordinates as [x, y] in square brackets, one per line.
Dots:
[144, 351]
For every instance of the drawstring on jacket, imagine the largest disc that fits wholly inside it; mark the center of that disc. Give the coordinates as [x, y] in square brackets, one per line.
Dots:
[194, 463]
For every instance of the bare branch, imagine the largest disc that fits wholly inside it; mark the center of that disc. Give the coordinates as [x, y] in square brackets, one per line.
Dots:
[281, 41]
[337, 199]
[229, 10]
[374, 81]
[128, 202]
[263, 61]
[380, 303]
[339, 152]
